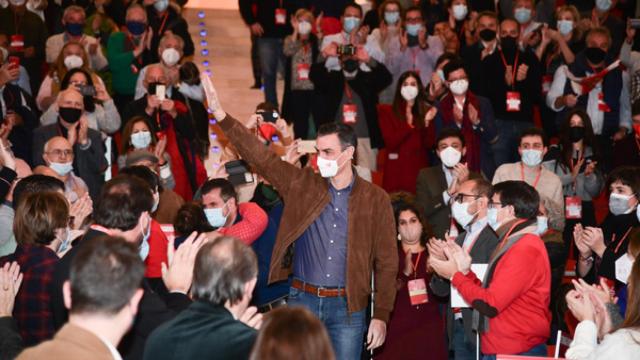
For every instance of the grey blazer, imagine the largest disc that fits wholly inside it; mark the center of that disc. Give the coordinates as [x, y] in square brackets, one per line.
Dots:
[480, 254]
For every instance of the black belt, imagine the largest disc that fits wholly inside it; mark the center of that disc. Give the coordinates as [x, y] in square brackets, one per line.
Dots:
[272, 305]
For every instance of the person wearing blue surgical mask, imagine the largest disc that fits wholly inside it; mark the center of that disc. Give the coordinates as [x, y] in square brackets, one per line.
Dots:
[164, 17]
[524, 12]
[245, 221]
[73, 20]
[532, 149]
[608, 242]
[458, 13]
[353, 33]
[602, 15]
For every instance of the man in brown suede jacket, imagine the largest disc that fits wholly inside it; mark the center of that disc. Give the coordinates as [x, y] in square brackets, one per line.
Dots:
[341, 229]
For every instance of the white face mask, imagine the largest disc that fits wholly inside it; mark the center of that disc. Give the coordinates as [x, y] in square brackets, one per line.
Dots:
[194, 92]
[460, 11]
[409, 92]
[492, 218]
[450, 157]
[543, 225]
[216, 217]
[304, 27]
[619, 204]
[62, 169]
[143, 249]
[170, 56]
[17, 2]
[141, 139]
[531, 157]
[638, 212]
[65, 241]
[459, 87]
[460, 212]
[328, 168]
[73, 62]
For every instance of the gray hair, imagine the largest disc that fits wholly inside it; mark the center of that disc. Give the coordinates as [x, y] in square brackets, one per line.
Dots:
[222, 269]
[167, 36]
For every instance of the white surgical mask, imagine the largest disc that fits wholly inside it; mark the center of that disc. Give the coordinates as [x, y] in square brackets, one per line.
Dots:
[65, 241]
[143, 250]
[459, 87]
[460, 11]
[141, 139]
[543, 225]
[619, 204]
[304, 27]
[328, 168]
[73, 62]
[156, 202]
[391, 17]
[492, 218]
[460, 212]
[194, 92]
[522, 15]
[17, 2]
[450, 157]
[409, 92]
[531, 157]
[638, 212]
[216, 217]
[161, 5]
[170, 56]
[62, 169]
[602, 5]
[350, 23]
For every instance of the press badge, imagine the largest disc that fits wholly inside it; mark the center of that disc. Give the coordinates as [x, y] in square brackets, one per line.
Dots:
[573, 207]
[281, 16]
[513, 101]
[17, 43]
[303, 71]
[417, 291]
[349, 113]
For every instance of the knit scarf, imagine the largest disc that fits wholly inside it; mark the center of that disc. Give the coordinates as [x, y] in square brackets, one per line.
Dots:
[472, 140]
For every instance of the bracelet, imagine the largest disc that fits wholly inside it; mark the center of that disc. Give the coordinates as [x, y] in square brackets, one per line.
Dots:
[587, 259]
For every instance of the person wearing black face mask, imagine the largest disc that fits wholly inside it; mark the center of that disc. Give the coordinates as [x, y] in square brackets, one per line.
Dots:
[351, 96]
[600, 87]
[513, 83]
[128, 52]
[485, 45]
[73, 20]
[575, 161]
[89, 161]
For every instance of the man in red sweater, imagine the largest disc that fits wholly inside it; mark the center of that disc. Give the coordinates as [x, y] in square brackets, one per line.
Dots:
[511, 302]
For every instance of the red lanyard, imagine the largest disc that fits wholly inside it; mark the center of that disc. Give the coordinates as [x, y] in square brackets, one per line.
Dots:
[164, 22]
[414, 57]
[415, 265]
[347, 91]
[613, 239]
[515, 66]
[535, 182]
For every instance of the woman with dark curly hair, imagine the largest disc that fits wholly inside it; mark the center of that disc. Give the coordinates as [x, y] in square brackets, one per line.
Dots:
[415, 328]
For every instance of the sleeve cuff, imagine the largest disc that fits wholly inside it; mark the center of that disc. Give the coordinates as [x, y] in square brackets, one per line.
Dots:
[381, 314]
[85, 146]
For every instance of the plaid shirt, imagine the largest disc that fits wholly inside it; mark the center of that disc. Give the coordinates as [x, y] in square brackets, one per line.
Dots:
[32, 310]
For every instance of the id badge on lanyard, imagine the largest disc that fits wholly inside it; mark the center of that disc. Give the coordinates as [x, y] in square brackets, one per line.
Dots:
[281, 15]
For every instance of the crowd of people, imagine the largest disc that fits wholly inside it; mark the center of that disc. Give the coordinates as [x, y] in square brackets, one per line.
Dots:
[442, 179]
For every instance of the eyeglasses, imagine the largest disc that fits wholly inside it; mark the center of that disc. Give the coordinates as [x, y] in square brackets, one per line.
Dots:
[460, 197]
[58, 152]
[493, 205]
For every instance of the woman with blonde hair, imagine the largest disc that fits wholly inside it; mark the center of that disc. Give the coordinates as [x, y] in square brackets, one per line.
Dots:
[72, 55]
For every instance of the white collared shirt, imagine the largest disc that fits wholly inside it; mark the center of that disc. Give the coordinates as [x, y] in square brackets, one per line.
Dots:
[449, 176]
[112, 349]
[473, 231]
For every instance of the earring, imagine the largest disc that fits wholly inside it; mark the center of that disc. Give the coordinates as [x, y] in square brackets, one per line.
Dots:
[399, 237]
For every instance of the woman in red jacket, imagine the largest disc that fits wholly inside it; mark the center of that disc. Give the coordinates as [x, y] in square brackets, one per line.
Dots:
[406, 133]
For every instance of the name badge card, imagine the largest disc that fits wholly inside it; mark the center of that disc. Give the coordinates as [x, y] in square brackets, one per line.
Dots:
[417, 291]
[349, 114]
[513, 101]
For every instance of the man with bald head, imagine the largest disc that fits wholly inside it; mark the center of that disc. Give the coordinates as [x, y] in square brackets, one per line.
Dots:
[169, 112]
[58, 156]
[82, 149]
[170, 52]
